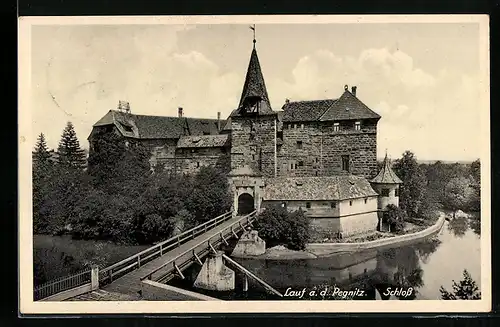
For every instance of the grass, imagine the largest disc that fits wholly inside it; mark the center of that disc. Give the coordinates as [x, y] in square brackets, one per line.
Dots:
[58, 256]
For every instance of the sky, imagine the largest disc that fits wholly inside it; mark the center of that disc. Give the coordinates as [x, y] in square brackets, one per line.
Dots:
[423, 79]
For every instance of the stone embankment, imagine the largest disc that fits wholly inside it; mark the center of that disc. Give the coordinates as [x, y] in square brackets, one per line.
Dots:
[315, 250]
[325, 249]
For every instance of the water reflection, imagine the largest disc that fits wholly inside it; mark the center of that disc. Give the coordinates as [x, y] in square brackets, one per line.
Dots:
[458, 226]
[422, 266]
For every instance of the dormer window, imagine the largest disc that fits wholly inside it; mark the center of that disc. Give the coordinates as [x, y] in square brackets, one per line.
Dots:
[336, 127]
[357, 126]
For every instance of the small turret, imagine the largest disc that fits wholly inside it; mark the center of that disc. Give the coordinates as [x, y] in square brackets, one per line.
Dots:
[386, 184]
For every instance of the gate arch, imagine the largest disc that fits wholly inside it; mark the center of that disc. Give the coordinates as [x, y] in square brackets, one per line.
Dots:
[246, 204]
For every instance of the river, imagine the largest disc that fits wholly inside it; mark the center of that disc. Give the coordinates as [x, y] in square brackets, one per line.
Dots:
[424, 266]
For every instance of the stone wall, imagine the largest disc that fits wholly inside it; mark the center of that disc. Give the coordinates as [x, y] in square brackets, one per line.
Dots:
[356, 206]
[316, 209]
[358, 224]
[192, 160]
[316, 149]
[253, 143]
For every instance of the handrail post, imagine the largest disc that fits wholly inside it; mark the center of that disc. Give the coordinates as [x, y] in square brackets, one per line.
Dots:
[138, 261]
[178, 240]
[161, 250]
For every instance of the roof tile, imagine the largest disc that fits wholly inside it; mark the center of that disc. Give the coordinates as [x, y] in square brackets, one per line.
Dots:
[317, 188]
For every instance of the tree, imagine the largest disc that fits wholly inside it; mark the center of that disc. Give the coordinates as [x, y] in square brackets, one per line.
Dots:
[458, 193]
[70, 153]
[118, 165]
[466, 289]
[41, 153]
[396, 218]
[412, 190]
[475, 171]
[277, 226]
[41, 174]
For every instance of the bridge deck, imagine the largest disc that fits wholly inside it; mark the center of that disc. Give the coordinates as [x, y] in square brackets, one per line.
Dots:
[130, 283]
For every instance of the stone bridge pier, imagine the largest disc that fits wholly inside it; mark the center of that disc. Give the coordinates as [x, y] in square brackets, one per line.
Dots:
[214, 275]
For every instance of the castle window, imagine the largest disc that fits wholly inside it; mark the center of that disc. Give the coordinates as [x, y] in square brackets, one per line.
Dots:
[316, 172]
[316, 160]
[385, 192]
[279, 135]
[206, 133]
[336, 127]
[396, 192]
[357, 126]
[350, 203]
[302, 126]
[294, 125]
[301, 163]
[345, 163]
[289, 126]
[333, 205]
[299, 144]
[197, 165]
[278, 147]
[308, 205]
[366, 201]
[283, 204]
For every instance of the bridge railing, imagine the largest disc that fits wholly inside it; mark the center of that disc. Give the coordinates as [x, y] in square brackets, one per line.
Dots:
[62, 284]
[172, 266]
[120, 268]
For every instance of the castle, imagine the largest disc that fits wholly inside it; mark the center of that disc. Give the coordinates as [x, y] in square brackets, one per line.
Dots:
[318, 155]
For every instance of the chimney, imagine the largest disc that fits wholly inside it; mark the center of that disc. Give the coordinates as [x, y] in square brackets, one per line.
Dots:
[218, 121]
[346, 87]
[353, 90]
[287, 101]
[180, 112]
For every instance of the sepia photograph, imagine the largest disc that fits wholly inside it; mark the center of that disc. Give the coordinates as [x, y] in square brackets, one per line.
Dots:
[275, 163]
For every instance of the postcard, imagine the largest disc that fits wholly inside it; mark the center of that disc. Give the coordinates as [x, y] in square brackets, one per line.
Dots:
[242, 164]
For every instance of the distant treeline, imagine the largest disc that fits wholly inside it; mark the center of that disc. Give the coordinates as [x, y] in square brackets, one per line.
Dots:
[113, 195]
[428, 187]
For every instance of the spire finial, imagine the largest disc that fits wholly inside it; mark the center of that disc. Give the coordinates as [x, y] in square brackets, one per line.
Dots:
[254, 40]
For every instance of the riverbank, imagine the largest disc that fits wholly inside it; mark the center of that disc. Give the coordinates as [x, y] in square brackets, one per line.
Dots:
[58, 256]
[316, 250]
[325, 249]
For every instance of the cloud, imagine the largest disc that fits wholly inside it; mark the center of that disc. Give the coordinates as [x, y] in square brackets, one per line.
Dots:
[87, 72]
[434, 115]
[79, 73]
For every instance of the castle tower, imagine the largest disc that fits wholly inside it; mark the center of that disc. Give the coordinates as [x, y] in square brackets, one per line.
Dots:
[253, 125]
[386, 184]
[253, 140]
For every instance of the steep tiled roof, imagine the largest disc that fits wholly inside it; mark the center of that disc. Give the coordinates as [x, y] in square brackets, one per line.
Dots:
[317, 188]
[204, 141]
[306, 110]
[386, 175]
[254, 87]
[348, 107]
[158, 127]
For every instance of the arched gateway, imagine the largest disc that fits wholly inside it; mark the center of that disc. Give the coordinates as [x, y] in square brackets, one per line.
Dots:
[246, 204]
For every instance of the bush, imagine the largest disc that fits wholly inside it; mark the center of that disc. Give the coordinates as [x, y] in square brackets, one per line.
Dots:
[277, 226]
[396, 217]
[466, 289]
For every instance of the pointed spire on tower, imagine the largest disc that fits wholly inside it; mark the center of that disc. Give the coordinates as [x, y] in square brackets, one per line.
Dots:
[386, 175]
[254, 92]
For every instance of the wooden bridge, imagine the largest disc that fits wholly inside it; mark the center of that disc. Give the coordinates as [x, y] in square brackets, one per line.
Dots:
[170, 258]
